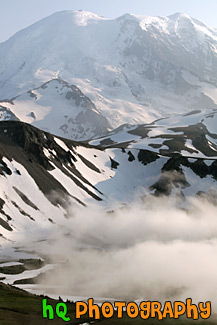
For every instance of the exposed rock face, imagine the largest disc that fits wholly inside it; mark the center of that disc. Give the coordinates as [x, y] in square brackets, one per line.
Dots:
[190, 135]
[147, 157]
[57, 107]
[134, 69]
[41, 175]
[6, 114]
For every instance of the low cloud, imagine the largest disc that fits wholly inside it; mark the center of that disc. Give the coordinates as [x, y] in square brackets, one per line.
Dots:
[154, 248]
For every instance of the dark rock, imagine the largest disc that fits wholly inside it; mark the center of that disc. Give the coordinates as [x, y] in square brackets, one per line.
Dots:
[131, 156]
[146, 156]
[114, 164]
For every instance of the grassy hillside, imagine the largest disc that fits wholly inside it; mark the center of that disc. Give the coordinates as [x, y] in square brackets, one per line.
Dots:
[20, 307]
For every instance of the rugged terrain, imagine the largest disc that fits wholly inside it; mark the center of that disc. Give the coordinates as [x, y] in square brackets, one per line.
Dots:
[141, 92]
[40, 172]
[59, 108]
[102, 73]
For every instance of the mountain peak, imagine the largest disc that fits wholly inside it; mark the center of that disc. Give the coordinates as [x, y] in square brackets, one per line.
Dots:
[79, 17]
[127, 16]
[178, 15]
[119, 64]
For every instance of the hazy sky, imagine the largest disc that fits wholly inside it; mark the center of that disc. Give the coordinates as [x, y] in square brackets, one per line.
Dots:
[18, 14]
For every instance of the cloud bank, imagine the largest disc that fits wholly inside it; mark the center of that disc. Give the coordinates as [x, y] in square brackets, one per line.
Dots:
[152, 249]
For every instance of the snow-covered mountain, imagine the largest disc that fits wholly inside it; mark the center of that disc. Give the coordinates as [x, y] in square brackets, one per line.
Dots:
[41, 173]
[58, 108]
[142, 92]
[53, 188]
[193, 134]
[134, 69]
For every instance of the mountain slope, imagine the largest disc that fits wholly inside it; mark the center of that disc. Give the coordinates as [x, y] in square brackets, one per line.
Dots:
[193, 134]
[41, 176]
[133, 68]
[13, 310]
[59, 108]
[62, 202]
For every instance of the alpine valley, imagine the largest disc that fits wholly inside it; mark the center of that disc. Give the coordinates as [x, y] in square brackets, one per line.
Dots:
[95, 115]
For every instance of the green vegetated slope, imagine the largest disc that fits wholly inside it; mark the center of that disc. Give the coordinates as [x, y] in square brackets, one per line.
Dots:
[20, 307]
